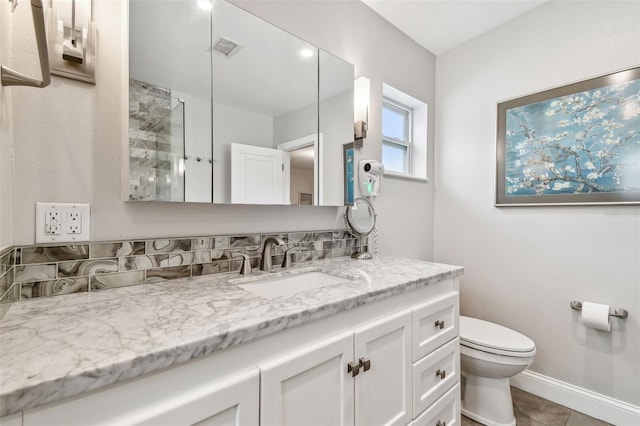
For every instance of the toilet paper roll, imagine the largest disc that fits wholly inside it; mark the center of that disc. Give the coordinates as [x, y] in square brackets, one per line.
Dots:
[596, 315]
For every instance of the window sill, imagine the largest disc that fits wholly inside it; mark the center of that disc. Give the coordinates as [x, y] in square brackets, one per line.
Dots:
[395, 175]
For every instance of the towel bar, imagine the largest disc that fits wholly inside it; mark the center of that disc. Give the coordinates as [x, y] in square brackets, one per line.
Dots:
[10, 77]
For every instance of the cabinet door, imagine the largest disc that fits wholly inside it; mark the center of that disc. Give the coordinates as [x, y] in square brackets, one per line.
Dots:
[383, 392]
[233, 402]
[309, 387]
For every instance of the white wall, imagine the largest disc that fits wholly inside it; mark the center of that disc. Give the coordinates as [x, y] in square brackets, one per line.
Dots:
[70, 144]
[523, 265]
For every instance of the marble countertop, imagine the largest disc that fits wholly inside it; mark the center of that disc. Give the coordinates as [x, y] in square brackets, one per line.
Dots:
[60, 346]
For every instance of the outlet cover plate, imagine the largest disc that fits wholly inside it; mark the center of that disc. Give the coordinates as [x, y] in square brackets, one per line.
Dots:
[80, 211]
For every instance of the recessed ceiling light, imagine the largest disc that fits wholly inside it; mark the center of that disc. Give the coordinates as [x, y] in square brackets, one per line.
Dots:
[306, 53]
[205, 4]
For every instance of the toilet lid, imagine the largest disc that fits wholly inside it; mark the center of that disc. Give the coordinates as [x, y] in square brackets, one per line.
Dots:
[493, 337]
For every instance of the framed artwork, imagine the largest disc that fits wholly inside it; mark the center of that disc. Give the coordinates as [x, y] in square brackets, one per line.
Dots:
[575, 144]
[348, 164]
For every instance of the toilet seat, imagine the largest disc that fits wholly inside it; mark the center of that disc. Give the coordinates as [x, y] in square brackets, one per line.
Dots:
[493, 338]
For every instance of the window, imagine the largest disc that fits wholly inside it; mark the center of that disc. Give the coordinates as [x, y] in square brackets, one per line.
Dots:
[396, 136]
[404, 134]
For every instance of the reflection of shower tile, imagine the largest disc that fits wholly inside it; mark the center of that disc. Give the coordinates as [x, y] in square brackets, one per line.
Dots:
[118, 279]
[125, 248]
[244, 241]
[31, 273]
[87, 267]
[53, 253]
[167, 246]
[54, 287]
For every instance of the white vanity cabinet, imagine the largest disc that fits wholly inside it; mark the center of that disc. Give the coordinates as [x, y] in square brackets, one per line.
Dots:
[362, 376]
[392, 362]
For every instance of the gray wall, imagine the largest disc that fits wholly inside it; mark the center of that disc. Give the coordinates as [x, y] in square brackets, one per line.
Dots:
[69, 139]
[523, 265]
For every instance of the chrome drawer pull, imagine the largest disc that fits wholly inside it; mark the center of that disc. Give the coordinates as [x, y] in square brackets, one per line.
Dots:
[353, 368]
[440, 324]
[441, 373]
[441, 423]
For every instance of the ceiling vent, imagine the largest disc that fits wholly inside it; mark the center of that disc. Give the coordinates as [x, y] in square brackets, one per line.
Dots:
[225, 47]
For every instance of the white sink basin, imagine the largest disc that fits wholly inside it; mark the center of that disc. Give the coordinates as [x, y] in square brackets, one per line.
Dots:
[285, 285]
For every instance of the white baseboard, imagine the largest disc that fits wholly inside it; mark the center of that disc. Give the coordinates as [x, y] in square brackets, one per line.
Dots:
[579, 399]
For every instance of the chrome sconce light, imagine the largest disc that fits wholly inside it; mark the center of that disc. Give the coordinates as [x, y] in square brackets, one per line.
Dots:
[360, 110]
[72, 40]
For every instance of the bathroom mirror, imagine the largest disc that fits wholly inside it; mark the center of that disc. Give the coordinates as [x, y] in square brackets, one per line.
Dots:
[227, 108]
[361, 220]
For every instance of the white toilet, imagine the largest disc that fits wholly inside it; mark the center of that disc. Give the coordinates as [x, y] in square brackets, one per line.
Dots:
[489, 355]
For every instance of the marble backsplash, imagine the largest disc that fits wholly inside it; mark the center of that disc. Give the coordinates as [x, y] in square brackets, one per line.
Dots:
[48, 270]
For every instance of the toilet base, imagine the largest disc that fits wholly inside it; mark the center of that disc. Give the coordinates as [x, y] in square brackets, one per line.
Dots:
[488, 401]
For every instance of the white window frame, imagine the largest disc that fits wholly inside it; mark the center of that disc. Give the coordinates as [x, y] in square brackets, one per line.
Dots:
[408, 131]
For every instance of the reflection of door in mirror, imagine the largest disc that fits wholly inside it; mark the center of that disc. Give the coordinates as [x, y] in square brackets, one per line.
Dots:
[169, 101]
[258, 175]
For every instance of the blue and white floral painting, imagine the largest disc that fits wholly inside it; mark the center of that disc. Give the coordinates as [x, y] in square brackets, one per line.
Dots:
[587, 142]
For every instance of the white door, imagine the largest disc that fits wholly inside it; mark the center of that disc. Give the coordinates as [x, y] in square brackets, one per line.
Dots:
[383, 391]
[309, 387]
[257, 175]
[233, 402]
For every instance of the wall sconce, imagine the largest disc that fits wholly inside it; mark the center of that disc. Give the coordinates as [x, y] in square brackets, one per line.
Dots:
[72, 40]
[360, 110]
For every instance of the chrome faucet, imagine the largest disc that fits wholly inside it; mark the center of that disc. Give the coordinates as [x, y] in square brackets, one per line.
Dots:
[266, 263]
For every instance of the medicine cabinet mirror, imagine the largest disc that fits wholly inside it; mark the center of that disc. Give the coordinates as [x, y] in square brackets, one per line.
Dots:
[227, 108]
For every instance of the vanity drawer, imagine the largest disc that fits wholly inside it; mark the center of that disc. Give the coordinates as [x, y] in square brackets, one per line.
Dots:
[445, 412]
[434, 324]
[434, 374]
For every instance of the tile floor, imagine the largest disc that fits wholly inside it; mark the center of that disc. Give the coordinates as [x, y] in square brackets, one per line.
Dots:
[531, 410]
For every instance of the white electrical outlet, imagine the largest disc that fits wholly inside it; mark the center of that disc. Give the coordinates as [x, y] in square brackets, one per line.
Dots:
[62, 222]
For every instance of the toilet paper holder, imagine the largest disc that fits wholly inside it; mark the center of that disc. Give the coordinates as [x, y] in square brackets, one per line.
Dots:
[620, 313]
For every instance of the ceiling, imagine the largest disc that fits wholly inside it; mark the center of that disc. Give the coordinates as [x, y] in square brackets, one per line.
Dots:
[440, 25]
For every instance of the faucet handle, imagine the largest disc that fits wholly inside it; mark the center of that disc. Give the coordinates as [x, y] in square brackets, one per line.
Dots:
[286, 262]
[245, 269]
